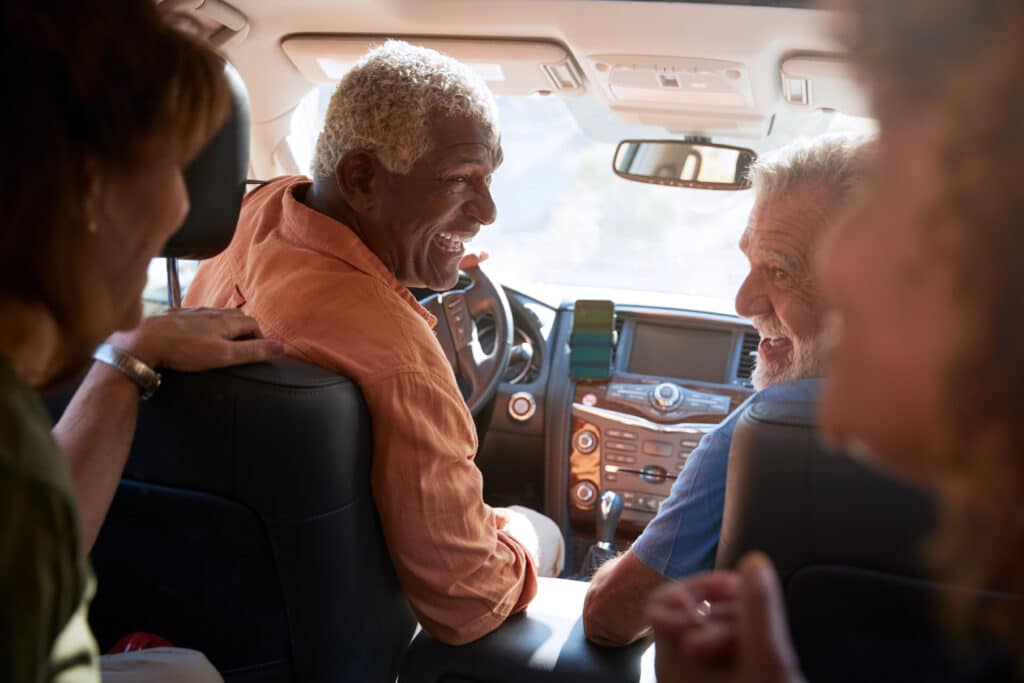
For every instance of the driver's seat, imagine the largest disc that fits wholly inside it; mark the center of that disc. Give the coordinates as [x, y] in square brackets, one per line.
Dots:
[244, 526]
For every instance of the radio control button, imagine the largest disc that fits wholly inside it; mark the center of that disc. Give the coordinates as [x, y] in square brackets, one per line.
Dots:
[585, 493]
[585, 441]
[661, 448]
[616, 446]
[653, 474]
[621, 434]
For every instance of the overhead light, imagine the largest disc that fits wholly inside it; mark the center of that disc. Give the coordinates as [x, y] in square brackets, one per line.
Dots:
[488, 72]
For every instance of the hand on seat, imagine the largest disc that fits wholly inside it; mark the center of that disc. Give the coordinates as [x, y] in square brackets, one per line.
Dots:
[195, 339]
[724, 626]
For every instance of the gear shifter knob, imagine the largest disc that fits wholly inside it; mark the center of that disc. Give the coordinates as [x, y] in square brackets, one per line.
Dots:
[609, 509]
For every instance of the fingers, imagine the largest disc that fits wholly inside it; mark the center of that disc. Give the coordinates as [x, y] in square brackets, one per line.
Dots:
[196, 339]
[252, 351]
[762, 615]
[474, 259]
[240, 325]
[674, 606]
[712, 640]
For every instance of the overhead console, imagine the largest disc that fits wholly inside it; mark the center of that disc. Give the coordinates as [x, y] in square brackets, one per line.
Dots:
[674, 377]
[688, 95]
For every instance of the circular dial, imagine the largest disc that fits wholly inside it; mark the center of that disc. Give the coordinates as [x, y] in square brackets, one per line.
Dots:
[586, 441]
[666, 396]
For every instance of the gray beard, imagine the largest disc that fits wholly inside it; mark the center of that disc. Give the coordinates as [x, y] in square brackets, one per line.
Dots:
[804, 362]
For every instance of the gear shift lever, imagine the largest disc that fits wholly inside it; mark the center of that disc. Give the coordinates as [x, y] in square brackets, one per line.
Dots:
[609, 510]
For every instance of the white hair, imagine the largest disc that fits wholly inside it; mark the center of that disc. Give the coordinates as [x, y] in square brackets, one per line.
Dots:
[838, 162]
[385, 102]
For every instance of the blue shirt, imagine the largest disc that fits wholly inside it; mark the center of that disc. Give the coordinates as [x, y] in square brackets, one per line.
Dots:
[683, 537]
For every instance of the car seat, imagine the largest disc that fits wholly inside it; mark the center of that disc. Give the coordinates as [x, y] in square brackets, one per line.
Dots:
[847, 543]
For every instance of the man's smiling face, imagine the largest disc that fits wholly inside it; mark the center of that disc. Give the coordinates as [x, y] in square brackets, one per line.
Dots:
[425, 217]
[779, 294]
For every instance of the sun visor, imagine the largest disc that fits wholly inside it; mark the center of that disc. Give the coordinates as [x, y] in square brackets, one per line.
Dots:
[510, 67]
[817, 81]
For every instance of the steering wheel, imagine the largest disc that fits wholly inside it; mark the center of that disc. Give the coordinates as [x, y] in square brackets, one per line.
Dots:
[476, 372]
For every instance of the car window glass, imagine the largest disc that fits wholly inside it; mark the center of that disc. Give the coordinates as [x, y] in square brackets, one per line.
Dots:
[568, 227]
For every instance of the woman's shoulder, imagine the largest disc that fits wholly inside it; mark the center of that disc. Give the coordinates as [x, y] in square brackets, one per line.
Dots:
[28, 452]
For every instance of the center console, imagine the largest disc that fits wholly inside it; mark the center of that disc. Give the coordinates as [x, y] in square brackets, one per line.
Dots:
[633, 437]
[674, 378]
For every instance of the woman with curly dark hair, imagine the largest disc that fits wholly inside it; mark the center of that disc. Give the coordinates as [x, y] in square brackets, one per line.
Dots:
[932, 253]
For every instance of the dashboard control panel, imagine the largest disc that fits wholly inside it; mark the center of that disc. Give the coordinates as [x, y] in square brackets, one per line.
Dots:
[666, 400]
[631, 455]
[633, 436]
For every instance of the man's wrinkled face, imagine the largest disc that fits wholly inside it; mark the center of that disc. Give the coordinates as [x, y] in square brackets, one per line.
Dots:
[428, 215]
[779, 294]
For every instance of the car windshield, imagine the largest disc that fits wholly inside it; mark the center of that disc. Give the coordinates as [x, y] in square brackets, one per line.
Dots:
[568, 227]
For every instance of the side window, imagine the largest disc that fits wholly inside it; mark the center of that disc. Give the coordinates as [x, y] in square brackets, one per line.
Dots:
[154, 296]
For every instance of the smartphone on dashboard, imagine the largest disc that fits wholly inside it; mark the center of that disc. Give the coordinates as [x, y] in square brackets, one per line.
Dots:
[592, 342]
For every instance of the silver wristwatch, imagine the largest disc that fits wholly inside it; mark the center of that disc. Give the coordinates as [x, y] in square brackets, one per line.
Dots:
[146, 377]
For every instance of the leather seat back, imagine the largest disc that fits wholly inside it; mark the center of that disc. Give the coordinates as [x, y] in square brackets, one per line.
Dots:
[848, 544]
[245, 528]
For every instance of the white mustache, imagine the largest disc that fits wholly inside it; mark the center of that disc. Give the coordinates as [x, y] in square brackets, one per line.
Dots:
[770, 326]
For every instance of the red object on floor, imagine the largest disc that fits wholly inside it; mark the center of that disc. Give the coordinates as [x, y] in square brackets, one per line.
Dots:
[139, 640]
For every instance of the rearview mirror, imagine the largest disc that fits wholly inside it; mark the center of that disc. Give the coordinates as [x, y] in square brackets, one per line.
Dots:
[684, 164]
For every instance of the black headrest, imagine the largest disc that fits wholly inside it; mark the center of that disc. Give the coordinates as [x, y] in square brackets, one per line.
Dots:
[216, 183]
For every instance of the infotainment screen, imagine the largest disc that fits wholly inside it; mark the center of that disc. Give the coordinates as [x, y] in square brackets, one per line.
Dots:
[683, 352]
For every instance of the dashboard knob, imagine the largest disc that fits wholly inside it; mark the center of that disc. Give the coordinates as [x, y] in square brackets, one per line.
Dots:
[522, 406]
[586, 441]
[584, 494]
[666, 396]
[653, 474]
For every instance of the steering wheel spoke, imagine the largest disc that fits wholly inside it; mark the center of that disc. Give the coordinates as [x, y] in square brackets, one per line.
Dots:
[477, 373]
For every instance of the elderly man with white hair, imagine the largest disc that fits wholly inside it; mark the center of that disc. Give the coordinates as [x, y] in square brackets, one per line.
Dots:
[401, 180]
[800, 190]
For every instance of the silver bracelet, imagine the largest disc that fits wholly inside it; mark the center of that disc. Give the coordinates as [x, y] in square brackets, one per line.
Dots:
[146, 377]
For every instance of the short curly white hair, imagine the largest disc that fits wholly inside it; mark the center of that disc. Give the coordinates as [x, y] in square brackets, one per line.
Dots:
[384, 104]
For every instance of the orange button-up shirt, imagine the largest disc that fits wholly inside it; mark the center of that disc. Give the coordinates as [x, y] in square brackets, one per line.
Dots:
[311, 283]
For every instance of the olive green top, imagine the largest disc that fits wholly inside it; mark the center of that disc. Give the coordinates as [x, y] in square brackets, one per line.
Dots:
[45, 582]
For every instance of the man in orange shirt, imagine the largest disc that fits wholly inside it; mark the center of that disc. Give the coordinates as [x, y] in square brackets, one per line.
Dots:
[401, 182]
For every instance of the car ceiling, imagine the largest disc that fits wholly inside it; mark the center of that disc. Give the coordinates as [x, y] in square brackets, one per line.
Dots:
[757, 36]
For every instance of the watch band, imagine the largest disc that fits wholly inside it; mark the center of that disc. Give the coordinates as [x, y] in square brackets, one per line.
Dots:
[146, 377]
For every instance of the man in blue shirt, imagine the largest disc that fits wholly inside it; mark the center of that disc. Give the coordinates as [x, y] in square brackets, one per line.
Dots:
[800, 189]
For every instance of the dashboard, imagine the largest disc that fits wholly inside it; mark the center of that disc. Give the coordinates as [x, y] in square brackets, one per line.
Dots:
[556, 444]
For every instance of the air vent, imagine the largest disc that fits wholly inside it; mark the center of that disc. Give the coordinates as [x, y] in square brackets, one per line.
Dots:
[619, 323]
[748, 354]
